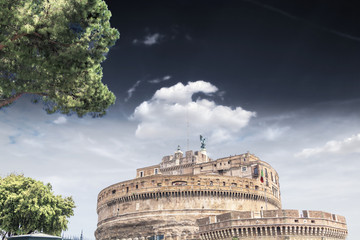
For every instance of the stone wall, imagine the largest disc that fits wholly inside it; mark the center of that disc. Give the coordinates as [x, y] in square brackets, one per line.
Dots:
[274, 224]
[171, 204]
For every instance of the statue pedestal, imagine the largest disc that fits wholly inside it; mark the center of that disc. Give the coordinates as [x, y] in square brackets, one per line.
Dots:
[203, 151]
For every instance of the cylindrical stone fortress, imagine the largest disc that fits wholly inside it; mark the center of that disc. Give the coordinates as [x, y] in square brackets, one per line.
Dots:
[174, 199]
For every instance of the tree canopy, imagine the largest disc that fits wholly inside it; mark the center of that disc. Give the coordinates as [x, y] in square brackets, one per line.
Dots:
[53, 49]
[27, 205]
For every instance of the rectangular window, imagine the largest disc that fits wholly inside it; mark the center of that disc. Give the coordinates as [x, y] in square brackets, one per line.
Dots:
[141, 174]
[156, 171]
[256, 171]
[244, 169]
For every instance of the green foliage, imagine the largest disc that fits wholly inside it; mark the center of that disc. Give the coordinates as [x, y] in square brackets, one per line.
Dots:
[27, 205]
[54, 48]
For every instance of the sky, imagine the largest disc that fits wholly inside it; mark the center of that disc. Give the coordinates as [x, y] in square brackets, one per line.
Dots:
[277, 78]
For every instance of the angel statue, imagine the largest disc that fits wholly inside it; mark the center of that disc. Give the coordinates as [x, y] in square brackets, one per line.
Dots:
[202, 141]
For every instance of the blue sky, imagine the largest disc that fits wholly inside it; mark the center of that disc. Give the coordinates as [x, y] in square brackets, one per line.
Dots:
[277, 78]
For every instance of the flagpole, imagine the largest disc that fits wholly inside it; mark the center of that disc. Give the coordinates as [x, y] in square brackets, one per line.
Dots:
[265, 199]
[262, 180]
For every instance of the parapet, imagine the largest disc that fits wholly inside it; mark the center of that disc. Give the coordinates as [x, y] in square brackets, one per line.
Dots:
[272, 223]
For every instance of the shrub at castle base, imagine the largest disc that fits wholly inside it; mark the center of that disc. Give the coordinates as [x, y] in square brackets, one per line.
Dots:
[27, 205]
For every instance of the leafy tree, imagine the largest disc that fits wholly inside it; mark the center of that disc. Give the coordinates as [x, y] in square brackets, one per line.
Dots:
[53, 49]
[27, 205]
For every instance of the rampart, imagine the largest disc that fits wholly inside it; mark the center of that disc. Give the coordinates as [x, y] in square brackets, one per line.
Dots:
[159, 202]
[273, 224]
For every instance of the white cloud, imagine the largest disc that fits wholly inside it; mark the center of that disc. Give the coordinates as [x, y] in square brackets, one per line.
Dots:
[132, 90]
[167, 77]
[348, 145]
[60, 120]
[150, 39]
[168, 111]
[180, 93]
[159, 80]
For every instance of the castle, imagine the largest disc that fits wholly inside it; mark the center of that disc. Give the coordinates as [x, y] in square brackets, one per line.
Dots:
[190, 196]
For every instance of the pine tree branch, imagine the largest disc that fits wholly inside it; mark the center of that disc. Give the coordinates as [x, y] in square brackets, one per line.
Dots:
[37, 35]
[7, 101]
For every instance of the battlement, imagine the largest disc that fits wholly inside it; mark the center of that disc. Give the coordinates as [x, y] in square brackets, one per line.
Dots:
[198, 163]
[187, 185]
[272, 224]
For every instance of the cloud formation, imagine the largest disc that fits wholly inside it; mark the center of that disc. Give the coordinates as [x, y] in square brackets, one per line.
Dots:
[150, 39]
[348, 145]
[60, 120]
[159, 80]
[132, 90]
[169, 110]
